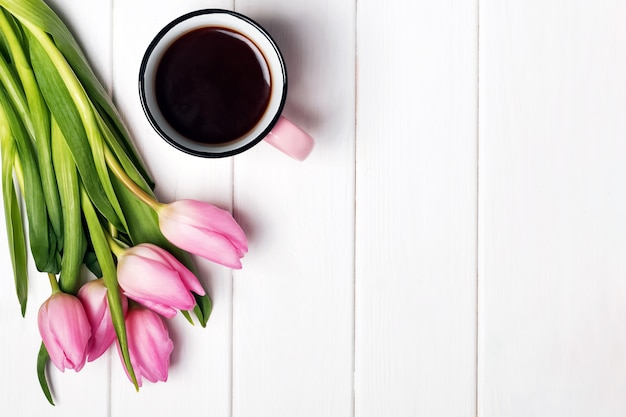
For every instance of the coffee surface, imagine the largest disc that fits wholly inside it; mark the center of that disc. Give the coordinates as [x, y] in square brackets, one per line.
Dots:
[212, 85]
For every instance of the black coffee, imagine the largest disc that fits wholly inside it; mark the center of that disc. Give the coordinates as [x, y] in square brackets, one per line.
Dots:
[212, 85]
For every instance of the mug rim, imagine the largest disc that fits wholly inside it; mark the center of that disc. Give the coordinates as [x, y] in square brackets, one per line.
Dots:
[199, 152]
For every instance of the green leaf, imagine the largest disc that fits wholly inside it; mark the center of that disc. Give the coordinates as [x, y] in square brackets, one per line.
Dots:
[42, 238]
[15, 110]
[4, 46]
[203, 308]
[15, 92]
[120, 154]
[69, 120]
[37, 13]
[75, 241]
[42, 361]
[37, 118]
[13, 218]
[187, 316]
[121, 140]
[105, 259]
[17, 244]
[91, 262]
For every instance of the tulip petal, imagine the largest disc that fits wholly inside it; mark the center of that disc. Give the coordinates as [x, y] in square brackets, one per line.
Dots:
[57, 357]
[93, 296]
[209, 245]
[100, 341]
[149, 344]
[162, 309]
[65, 331]
[148, 250]
[189, 279]
[145, 279]
[211, 218]
[207, 217]
[74, 330]
[157, 346]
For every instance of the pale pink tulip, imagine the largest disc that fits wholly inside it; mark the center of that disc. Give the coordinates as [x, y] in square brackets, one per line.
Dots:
[65, 331]
[149, 345]
[204, 230]
[153, 277]
[93, 296]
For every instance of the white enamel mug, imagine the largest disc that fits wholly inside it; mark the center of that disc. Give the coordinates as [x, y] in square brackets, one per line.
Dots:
[271, 127]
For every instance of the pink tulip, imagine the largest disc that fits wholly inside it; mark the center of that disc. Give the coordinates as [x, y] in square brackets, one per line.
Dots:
[153, 277]
[204, 230]
[93, 296]
[149, 345]
[65, 331]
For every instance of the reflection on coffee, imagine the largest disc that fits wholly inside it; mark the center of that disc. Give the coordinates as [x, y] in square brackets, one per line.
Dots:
[212, 85]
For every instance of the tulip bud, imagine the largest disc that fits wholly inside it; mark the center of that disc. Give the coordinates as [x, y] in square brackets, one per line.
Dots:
[153, 277]
[93, 296]
[149, 345]
[65, 331]
[204, 230]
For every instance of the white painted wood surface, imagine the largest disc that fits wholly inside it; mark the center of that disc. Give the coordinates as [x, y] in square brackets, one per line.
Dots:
[552, 203]
[454, 246]
[416, 209]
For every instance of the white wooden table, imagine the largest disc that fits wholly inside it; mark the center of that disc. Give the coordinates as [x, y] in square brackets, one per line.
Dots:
[454, 246]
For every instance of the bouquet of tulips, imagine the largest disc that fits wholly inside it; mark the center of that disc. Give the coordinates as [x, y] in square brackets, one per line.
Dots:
[88, 200]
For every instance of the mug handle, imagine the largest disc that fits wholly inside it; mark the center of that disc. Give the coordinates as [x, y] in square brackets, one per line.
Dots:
[290, 139]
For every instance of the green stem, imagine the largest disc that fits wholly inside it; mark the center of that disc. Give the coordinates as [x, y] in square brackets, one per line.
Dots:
[113, 230]
[117, 249]
[53, 283]
[119, 172]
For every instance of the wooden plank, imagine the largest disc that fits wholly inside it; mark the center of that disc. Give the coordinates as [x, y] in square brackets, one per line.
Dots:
[200, 373]
[293, 310]
[552, 224]
[416, 209]
[20, 394]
